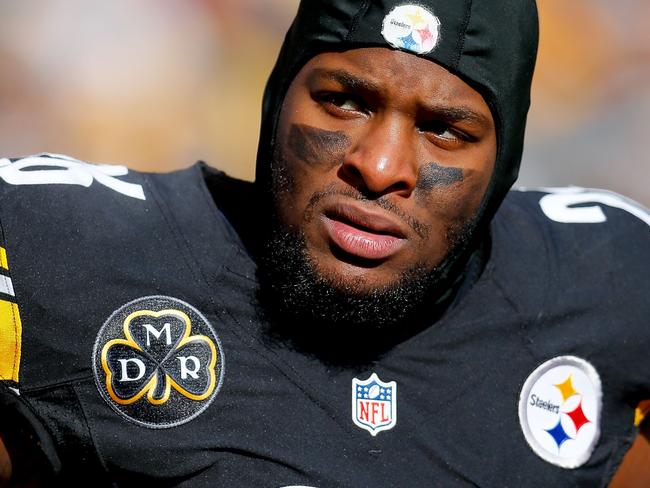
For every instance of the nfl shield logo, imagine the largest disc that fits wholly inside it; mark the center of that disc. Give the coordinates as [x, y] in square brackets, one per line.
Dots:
[374, 404]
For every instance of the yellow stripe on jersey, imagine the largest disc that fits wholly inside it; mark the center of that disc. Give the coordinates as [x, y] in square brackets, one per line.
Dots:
[641, 412]
[11, 331]
[3, 258]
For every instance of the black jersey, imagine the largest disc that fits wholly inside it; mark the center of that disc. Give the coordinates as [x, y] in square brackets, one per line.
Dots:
[132, 347]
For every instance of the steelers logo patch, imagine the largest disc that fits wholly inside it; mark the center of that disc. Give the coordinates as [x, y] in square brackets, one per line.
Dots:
[411, 28]
[559, 411]
[158, 362]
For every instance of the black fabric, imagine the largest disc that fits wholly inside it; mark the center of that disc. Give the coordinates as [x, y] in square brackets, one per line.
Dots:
[49, 438]
[32, 450]
[474, 45]
[239, 202]
[283, 418]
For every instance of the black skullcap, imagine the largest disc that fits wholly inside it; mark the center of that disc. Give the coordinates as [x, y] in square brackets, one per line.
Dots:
[490, 44]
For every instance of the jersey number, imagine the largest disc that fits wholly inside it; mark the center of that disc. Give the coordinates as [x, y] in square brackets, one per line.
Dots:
[559, 205]
[67, 171]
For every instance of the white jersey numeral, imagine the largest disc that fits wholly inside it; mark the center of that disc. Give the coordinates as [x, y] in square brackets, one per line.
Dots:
[67, 171]
[559, 205]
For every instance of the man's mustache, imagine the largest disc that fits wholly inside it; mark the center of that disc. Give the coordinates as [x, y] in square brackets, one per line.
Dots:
[382, 202]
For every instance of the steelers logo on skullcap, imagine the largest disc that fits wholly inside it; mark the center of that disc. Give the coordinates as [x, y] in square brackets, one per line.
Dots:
[411, 28]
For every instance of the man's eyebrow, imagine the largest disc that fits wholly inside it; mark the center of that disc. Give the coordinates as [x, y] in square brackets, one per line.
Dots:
[343, 78]
[459, 114]
[353, 82]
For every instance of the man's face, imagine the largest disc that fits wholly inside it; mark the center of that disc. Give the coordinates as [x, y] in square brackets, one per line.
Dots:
[381, 162]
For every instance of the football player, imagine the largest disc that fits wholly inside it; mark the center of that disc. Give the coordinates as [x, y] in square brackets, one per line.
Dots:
[378, 309]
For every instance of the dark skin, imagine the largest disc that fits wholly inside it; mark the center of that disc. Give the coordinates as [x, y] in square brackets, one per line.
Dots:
[633, 471]
[22, 463]
[388, 144]
[5, 464]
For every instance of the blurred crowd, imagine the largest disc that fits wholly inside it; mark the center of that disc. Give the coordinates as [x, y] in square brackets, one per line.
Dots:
[159, 84]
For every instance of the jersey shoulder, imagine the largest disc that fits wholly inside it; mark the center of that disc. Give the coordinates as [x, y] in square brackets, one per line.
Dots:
[77, 238]
[47, 170]
[55, 191]
[552, 241]
[59, 196]
[48, 205]
[577, 221]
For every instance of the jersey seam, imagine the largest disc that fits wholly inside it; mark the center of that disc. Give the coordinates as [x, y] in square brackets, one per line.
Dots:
[355, 20]
[463, 34]
[547, 251]
[168, 220]
[528, 325]
[88, 422]
[207, 198]
[49, 386]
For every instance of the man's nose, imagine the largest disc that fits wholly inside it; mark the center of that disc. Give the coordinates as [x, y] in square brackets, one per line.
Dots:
[382, 160]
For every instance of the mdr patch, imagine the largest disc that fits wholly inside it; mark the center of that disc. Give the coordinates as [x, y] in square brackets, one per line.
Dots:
[559, 410]
[158, 362]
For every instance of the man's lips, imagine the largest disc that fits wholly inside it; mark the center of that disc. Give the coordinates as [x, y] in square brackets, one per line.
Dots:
[363, 233]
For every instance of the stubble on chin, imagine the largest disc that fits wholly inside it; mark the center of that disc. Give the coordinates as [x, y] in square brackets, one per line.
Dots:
[337, 318]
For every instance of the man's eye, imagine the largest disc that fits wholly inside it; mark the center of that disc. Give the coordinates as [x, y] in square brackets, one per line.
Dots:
[342, 101]
[442, 131]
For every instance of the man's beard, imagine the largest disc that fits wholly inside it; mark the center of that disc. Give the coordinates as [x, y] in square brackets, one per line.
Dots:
[332, 316]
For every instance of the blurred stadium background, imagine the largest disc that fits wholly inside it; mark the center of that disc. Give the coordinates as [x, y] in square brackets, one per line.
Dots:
[159, 84]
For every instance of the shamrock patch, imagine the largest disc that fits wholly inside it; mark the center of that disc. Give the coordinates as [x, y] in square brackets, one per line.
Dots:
[157, 362]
